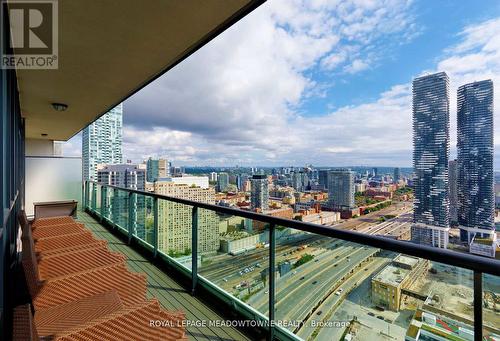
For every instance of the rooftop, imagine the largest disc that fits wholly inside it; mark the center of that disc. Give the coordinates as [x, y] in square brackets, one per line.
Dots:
[392, 275]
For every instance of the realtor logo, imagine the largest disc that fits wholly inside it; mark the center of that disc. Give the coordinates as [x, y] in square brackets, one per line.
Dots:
[32, 41]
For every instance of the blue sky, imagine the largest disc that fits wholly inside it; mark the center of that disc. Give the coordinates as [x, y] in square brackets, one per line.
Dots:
[319, 81]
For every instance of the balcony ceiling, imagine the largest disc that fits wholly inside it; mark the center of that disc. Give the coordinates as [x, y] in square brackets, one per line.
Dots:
[110, 49]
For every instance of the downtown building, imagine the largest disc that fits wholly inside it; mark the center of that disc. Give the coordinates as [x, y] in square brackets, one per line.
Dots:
[222, 182]
[157, 168]
[129, 176]
[259, 197]
[102, 142]
[431, 147]
[175, 220]
[475, 186]
[453, 191]
[341, 189]
[323, 178]
[396, 175]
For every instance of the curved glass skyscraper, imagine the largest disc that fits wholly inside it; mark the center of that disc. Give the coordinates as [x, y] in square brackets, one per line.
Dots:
[476, 201]
[431, 121]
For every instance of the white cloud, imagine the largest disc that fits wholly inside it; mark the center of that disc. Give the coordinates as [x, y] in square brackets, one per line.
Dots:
[235, 101]
[238, 97]
[356, 66]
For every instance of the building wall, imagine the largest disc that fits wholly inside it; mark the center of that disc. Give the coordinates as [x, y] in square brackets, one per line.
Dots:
[175, 220]
[102, 142]
[39, 147]
[453, 179]
[259, 192]
[341, 189]
[431, 147]
[476, 201]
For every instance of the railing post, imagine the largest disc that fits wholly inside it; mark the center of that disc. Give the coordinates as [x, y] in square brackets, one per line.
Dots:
[272, 272]
[194, 249]
[94, 196]
[155, 226]
[86, 195]
[478, 306]
[130, 223]
[103, 201]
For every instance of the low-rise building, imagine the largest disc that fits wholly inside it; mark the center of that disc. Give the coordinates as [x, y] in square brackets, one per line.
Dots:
[321, 218]
[388, 284]
[235, 242]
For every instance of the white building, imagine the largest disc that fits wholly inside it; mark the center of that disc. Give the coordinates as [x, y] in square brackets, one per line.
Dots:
[102, 142]
[198, 181]
[175, 220]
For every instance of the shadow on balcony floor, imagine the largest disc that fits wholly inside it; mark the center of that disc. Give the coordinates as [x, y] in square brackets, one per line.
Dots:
[171, 295]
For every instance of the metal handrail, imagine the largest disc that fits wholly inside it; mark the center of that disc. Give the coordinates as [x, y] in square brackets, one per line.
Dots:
[463, 260]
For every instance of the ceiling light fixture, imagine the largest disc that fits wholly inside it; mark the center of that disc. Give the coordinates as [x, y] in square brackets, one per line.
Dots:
[60, 106]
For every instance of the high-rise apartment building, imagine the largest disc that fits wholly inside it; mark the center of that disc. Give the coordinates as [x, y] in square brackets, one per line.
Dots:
[476, 201]
[222, 182]
[259, 192]
[431, 147]
[341, 189]
[102, 142]
[323, 178]
[157, 168]
[452, 184]
[175, 220]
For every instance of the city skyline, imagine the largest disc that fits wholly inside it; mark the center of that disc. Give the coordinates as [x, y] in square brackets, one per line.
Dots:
[379, 99]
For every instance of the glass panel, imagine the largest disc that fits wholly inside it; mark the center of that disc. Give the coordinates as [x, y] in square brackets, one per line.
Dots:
[327, 288]
[491, 307]
[52, 179]
[108, 201]
[97, 198]
[235, 256]
[144, 222]
[174, 231]
[119, 209]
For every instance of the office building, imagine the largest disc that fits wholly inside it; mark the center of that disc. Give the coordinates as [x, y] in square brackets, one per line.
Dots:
[341, 189]
[323, 178]
[128, 176]
[400, 274]
[397, 175]
[102, 142]
[259, 192]
[213, 177]
[157, 168]
[222, 182]
[431, 147]
[300, 180]
[476, 201]
[452, 183]
[175, 220]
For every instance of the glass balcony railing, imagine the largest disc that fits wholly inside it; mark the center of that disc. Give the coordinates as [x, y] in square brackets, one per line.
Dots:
[306, 281]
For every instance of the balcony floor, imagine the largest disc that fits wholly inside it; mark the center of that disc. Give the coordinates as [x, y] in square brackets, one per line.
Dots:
[166, 290]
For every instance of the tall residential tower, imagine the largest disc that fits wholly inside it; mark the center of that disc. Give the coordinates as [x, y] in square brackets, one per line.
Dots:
[431, 147]
[102, 142]
[476, 201]
[259, 192]
[341, 189]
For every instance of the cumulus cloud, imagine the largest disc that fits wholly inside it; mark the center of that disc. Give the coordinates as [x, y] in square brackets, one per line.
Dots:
[238, 100]
[239, 97]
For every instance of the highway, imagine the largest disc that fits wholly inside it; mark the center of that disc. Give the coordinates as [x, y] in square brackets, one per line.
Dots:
[327, 308]
[298, 293]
